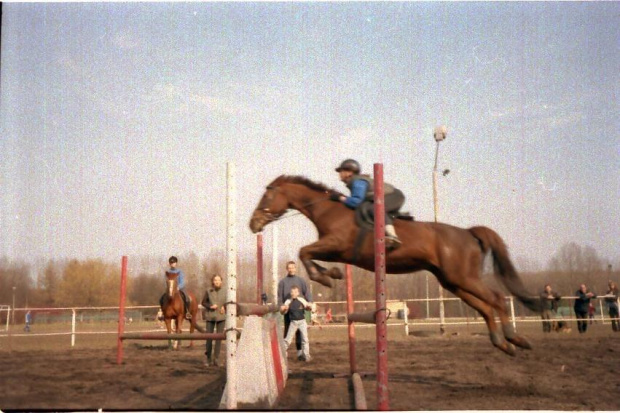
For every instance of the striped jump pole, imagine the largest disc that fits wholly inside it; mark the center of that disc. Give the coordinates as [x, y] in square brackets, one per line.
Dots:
[121, 311]
[377, 317]
[380, 291]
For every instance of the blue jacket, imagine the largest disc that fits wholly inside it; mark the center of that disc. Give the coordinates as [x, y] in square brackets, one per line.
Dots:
[358, 193]
[180, 278]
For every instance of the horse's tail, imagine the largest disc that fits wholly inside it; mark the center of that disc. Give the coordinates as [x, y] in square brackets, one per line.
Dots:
[504, 269]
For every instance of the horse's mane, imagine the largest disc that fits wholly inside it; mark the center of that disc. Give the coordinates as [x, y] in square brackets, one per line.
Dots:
[302, 180]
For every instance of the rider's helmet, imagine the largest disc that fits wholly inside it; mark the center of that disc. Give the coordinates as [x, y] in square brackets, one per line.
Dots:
[350, 165]
[172, 260]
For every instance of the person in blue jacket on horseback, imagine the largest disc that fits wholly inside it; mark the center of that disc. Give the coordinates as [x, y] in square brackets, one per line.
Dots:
[362, 190]
[180, 284]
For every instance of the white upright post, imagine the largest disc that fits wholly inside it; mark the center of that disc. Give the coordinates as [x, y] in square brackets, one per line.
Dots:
[73, 328]
[231, 296]
[274, 264]
[406, 317]
[512, 313]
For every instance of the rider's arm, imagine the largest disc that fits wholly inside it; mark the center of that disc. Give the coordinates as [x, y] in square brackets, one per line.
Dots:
[358, 193]
[181, 279]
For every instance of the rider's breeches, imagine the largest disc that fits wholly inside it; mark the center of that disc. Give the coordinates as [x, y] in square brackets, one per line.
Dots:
[214, 327]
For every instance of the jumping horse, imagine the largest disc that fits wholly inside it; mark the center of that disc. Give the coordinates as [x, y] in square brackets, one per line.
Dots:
[454, 255]
[173, 307]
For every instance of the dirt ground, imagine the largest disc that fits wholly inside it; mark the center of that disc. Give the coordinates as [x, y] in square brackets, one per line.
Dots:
[457, 371]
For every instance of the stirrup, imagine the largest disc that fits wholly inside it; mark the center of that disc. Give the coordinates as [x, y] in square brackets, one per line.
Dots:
[188, 316]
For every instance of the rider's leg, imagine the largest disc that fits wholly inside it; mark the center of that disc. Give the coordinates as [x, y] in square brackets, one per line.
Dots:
[188, 315]
[393, 202]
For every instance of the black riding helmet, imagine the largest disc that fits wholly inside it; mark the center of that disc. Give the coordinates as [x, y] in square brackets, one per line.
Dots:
[172, 260]
[350, 165]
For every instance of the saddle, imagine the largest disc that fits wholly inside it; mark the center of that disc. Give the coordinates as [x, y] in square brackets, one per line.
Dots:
[364, 216]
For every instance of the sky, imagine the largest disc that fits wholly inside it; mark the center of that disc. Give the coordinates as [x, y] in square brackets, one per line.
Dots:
[118, 119]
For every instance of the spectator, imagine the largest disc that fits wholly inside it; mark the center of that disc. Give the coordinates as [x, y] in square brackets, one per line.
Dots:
[284, 293]
[612, 305]
[314, 316]
[295, 307]
[214, 303]
[328, 316]
[28, 321]
[582, 304]
[591, 312]
[549, 301]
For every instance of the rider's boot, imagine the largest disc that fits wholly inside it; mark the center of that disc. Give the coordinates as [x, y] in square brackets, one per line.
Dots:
[391, 239]
[188, 315]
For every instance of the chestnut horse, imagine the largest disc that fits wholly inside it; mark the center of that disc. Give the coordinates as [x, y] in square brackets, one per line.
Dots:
[454, 255]
[173, 307]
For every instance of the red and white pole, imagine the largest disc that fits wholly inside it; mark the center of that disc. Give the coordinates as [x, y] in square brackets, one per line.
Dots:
[121, 310]
[381, 308]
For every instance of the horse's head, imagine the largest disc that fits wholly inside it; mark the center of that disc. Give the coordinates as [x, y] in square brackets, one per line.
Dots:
[171, 282]
[272, 206]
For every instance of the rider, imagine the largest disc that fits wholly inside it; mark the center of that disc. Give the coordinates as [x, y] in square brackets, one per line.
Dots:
[180, 284]
[362, 190]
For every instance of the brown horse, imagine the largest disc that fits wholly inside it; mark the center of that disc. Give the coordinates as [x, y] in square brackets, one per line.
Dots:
[454, 255]
[173, 307]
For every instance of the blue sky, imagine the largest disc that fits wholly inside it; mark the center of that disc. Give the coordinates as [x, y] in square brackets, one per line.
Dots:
[118, 119]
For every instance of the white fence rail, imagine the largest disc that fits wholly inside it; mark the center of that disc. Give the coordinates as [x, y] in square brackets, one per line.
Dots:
[82, 321]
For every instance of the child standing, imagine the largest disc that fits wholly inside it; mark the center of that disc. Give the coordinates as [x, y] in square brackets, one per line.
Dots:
[295, 307]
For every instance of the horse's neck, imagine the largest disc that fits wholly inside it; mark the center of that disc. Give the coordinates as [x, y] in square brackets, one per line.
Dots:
[314, 205]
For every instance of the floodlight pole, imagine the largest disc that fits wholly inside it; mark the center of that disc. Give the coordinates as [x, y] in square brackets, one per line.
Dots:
[439, 135]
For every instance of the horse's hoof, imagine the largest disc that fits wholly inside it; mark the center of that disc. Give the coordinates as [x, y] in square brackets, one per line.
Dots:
[508, 349]
[335, 273]
[520, 342]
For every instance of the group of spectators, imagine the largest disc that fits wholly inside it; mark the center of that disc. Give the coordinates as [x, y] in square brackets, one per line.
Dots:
[294, 298]
[582, 307]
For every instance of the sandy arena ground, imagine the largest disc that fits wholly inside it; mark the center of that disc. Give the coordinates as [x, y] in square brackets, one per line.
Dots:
[457, 371]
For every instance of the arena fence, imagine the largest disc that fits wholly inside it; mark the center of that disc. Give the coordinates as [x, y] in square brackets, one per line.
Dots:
[74, 322]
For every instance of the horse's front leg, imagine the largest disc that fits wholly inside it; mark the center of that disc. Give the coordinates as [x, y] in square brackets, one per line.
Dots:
[325, 250]
[168, 322]
[178, 321]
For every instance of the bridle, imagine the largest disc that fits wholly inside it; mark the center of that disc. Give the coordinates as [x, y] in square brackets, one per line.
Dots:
[271, 217]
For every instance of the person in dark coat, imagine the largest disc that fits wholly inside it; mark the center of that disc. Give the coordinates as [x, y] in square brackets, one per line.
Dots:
[549, 300]
[612, 305]
[582, 305]
[284, 293]
[214, 303]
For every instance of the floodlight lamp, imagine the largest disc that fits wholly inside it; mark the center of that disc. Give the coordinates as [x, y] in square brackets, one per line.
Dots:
[440, 133]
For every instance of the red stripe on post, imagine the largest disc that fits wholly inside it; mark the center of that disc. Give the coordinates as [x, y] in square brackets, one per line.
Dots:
[277, 363]
[259, 268]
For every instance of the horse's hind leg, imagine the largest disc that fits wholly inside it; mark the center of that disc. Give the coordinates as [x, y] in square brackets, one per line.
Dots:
[509, 331]
[486, 310]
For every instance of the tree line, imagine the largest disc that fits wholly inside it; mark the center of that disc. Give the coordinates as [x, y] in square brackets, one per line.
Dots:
[94, 282]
